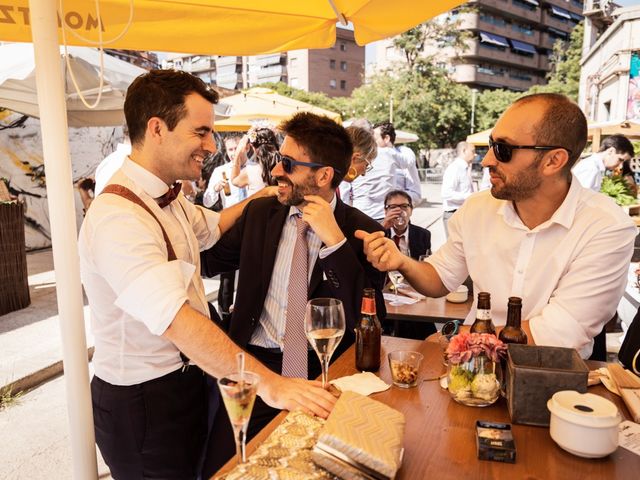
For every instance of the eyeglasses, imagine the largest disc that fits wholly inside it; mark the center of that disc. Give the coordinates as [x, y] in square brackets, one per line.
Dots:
[503, 151]
[402, 206]
[369, 165]
[288, 163]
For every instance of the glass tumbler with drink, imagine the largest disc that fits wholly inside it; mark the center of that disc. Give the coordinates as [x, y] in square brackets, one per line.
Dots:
[324, 325]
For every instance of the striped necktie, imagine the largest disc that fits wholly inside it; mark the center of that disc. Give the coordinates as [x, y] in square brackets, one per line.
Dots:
[294, 355]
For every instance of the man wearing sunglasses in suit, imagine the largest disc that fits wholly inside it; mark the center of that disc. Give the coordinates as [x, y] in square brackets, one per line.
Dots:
[264, 245]
[536, 234]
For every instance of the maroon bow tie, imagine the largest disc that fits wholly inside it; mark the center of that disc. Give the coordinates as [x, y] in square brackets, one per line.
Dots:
[170, 196]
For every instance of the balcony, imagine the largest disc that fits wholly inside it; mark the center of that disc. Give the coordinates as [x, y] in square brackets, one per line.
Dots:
[228, 60]
[494, 77]
[543, 63]
[555, 21]
[494, 53]
[526, 9]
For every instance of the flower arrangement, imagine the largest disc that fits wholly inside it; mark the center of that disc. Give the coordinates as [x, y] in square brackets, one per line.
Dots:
[472, 361]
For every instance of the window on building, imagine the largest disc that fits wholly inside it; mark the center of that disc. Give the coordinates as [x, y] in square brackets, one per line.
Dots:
[293, 62]
[390, 52]
[607, 110]
[343, 84]
[332, 83]
[343, 47]
[492, 19]
[332, 64]
[531, 5]
[522, 28]
[294, 82]
[343, 66]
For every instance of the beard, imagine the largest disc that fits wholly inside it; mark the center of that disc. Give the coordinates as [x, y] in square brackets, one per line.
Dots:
[295, 194]
[519, 188]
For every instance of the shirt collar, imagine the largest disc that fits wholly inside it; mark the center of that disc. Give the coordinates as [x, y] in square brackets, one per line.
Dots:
[564, 214]
[147, 181]
[294, 210]
[598, 158]
[404, 234]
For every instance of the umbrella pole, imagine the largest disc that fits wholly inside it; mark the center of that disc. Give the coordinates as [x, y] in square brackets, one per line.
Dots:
[55, 143]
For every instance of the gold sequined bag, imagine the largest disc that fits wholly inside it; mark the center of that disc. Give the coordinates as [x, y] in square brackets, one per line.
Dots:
[361, 439]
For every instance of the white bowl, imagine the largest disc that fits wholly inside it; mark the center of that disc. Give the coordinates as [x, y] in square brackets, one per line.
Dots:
[459, 296]
[584, 424]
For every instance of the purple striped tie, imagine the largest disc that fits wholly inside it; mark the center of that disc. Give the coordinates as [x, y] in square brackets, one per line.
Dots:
[294, 355]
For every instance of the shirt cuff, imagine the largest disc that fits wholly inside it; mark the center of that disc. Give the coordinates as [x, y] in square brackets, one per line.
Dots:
[326, 251]
[555, 327]
[155, 297]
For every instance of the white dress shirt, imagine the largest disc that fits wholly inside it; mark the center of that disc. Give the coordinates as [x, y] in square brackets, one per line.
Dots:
[270, 331]
[110, 165]
[407, 179]
[569, 271]
[589, 171]
[457, 184]
[134, 292]
[367, 192]
[403, 242]
[210, 196]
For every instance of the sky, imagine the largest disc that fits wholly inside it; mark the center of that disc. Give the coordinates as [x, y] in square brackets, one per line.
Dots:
[627, 3]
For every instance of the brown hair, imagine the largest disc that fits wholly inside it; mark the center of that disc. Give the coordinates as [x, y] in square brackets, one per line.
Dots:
[161, 93]
[363, 141]
[324, 140]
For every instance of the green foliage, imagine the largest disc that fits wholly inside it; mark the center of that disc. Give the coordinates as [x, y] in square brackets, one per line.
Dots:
[8, 398]
[616, 187]
[490, 104]
[318, 99]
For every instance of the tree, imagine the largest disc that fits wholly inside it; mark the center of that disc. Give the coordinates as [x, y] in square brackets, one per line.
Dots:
[491, 104]
[317, 99]
[441, 32]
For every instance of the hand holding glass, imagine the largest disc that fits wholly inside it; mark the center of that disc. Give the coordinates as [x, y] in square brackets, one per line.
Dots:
[324, 325]
[238, 392]
[400, 221]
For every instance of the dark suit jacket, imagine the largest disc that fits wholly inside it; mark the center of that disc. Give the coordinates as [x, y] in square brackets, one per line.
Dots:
[251, 245]
[419, 240]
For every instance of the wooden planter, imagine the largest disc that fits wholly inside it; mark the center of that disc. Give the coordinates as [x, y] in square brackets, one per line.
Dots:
[14, 284]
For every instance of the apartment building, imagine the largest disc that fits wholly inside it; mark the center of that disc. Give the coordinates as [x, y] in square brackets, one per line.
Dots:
[335, 71]
[609, 77]
[510, 44]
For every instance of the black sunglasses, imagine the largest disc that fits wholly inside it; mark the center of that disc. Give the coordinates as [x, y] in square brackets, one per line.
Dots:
[288, 163]
[503, 151]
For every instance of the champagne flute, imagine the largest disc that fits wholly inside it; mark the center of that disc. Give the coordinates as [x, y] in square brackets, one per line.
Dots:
[324, 326]
[238, 390]
[396, 281]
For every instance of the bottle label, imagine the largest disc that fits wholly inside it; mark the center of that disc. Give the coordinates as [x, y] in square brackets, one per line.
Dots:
[483, 314]
[368, 306]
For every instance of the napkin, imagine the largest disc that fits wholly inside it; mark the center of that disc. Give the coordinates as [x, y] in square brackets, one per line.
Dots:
[364, 383]
[411, 293]
[399, 299]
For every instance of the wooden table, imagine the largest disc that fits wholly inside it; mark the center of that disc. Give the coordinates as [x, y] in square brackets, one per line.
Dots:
[429, 310]
[440, 433]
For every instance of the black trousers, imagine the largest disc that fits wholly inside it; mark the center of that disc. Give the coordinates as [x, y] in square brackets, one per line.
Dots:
[221, 445]
[153, 430]
[225, 291]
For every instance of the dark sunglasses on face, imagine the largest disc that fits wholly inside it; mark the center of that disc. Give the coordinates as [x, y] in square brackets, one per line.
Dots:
[288, 163]
[503, 151]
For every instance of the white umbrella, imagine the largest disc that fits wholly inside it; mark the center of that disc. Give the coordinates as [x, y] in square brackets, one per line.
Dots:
[18, 84]
[405, 137]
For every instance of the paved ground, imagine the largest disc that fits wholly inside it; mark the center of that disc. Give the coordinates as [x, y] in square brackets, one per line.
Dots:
[34, 430]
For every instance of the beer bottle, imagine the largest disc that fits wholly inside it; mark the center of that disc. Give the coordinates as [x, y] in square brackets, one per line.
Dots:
[513, 332]
[226, 188]
[483, 323]
[368, 335]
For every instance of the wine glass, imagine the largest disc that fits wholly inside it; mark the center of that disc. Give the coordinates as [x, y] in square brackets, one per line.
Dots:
[397, 280]
[324, 326]
[238, 392]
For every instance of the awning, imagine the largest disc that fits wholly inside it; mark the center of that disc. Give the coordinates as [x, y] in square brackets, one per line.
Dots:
[558, 33]
[523, 47]
[532, 2]
[560, 12]
[576, 17]
[486, 37]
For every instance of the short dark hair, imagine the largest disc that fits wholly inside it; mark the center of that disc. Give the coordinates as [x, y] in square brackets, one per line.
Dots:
[386, 128]
[161, 93]
[398, 193]
[619, 142]
[562, 124]
[324, 140]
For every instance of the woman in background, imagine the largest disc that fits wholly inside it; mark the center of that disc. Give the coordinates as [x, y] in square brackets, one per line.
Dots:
[255, 173]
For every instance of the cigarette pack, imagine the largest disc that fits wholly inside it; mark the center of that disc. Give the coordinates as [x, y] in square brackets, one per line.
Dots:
[495, 442]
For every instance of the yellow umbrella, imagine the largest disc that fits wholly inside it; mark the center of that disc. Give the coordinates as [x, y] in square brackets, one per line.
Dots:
[225, 27]
[258, 105]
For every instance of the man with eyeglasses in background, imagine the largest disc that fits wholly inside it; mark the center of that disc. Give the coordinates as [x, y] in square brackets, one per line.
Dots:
[303, 241]
[537, 234]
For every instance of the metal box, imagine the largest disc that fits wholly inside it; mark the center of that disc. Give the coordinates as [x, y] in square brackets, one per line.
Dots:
[534, 374]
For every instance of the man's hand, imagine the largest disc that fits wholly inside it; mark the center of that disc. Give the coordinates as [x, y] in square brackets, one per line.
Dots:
[297, 394]
[270, 191]
[318, 214]
[381, 251]
[389, 216]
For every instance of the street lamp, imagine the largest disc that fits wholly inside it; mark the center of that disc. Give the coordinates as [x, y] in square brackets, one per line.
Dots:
[474, 92]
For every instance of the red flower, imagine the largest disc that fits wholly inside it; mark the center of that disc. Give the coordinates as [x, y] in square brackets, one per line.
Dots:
[465, 346]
